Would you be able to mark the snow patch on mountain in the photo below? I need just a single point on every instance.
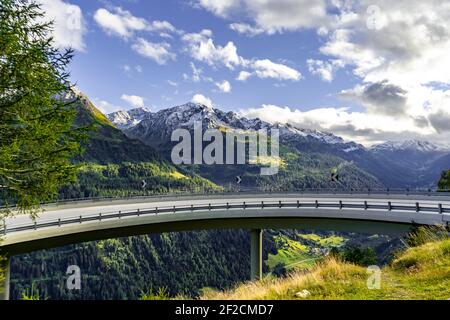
(128, 119)
(410, 145)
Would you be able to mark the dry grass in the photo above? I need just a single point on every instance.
(324, 273)
(421, 272)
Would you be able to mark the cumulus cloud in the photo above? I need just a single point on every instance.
(69, 26)
(159, 52)
(440, 121)
(224, 86)
(268, 69)
(243, 76)
(357, 126)
(270, 16)
(380, 97)
(133, 100)
(123, 23)
(119, 22)
(202, 48)
(201, 99)
(324, 69)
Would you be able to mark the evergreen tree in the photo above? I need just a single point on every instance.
(444, 181)
(37, 135)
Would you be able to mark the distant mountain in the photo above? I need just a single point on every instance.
(399, 164)
(410, 145)
(409, 164)
(156, 128)
(307, 155)
(127, 119)
(106, 143)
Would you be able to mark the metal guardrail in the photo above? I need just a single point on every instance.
(415, 207)
(312, 191)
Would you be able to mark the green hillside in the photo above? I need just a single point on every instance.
(421, 272)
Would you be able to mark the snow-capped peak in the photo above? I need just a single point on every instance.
(184, 116)
(127, 119)
(409, 145)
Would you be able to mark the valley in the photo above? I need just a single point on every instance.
(115, 163)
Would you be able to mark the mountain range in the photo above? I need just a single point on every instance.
(392, 164)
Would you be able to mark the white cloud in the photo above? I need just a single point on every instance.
(159, 52)
(123, 23)
(133, 100)
(356, 126)
(324, 69)
(224, 86)
(219, 7)
(247, 29)
(202, 48)
(399, 51)
(268, 69)
(271, 16)
(120, 22)
(243, 76)
(69, 25)
(201, 99)
(165, 26)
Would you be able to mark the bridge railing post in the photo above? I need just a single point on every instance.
(389, 206)
(440, 208)
(417, 207)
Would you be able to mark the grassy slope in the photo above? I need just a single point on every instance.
(298, 255)
(419, 273)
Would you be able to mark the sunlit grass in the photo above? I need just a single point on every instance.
(421, 272)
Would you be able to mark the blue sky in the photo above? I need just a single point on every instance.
(109, 54)
(366, 70)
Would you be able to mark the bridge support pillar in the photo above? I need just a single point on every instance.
(256, 254)
(4, 288)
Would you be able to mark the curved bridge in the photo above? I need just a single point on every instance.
(77, 222)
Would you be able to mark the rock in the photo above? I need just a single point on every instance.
(303, 294)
